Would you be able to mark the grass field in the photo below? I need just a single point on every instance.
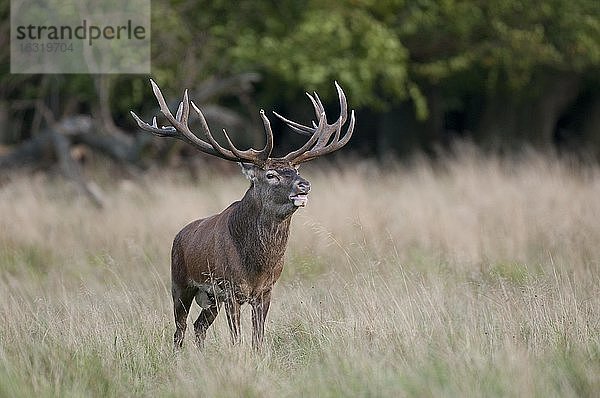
(473, 277)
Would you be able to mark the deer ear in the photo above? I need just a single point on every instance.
(249, 170)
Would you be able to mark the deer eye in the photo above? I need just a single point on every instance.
(272, 175)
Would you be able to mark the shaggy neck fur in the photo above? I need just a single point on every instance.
(260, 231)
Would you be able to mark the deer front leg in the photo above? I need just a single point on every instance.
(260, 307)
(232, 308)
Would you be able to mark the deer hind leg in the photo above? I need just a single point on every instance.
(232, 308)
(182, 300)
(205, 319)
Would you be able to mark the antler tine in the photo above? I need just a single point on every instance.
(236, 152)
(266, 151)
(179, 110)
(224, 153)
(337, 126)
(319, 109)
(338, 143)
(343, 103)
(296, 127)
(165, 131)
(300, 128)
(185, 109)
(259, 157)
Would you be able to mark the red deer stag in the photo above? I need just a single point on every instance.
(236, 256)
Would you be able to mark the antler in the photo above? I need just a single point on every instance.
(320, 142)
(320, 133)
(179, 128)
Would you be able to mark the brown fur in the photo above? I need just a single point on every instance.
(236, 256)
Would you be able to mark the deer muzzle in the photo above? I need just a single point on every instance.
(300, 194)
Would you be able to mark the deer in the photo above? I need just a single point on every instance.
(236, 256)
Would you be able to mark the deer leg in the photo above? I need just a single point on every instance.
(260, 307)
(232, 308)
(182, 300)
(205, 319)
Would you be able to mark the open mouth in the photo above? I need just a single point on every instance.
(299, 199)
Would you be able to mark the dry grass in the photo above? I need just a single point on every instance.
(476, 277)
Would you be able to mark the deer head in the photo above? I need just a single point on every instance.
(278, 188)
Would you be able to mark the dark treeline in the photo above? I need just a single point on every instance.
(503, 73)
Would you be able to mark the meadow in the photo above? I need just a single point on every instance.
(470, 276)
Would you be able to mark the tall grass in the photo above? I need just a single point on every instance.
(471, 277)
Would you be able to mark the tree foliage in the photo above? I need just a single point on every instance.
(479, 59)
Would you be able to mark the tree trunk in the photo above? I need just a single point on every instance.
(590, 130)
(538, 124)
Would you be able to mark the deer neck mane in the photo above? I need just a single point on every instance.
(259, 234)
